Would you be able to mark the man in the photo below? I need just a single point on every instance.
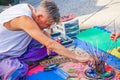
(21, 35)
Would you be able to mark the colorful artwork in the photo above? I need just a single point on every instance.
(115, 52)
(94, 40)
(76, 70)
(100, 70)
(97, 40)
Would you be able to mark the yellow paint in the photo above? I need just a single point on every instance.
(114, 52)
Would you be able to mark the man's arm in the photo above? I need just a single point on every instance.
(27, 24)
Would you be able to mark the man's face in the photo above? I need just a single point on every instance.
(44, 22)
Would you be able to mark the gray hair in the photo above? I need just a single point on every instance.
(52, 9)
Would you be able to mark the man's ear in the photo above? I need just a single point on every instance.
(39, 16)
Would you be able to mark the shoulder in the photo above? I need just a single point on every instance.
(24, 17)
(16, 23)
(22, 20)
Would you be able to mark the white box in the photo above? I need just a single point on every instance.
(68, 28)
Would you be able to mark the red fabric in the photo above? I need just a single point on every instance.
(35, 70)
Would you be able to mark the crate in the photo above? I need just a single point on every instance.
(69, 28)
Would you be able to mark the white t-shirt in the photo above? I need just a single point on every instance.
(13, 43)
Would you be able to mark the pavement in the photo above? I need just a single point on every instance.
(90, 12)
(108, 15)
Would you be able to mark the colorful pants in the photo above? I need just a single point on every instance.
(15, 68)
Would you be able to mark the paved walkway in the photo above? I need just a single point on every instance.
(89, 12)
(108, 15)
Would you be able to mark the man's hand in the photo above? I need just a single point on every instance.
(114, 36)
(49, 51)
(48, 35)
(86, 58)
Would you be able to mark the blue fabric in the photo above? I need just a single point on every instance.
(55, 74)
